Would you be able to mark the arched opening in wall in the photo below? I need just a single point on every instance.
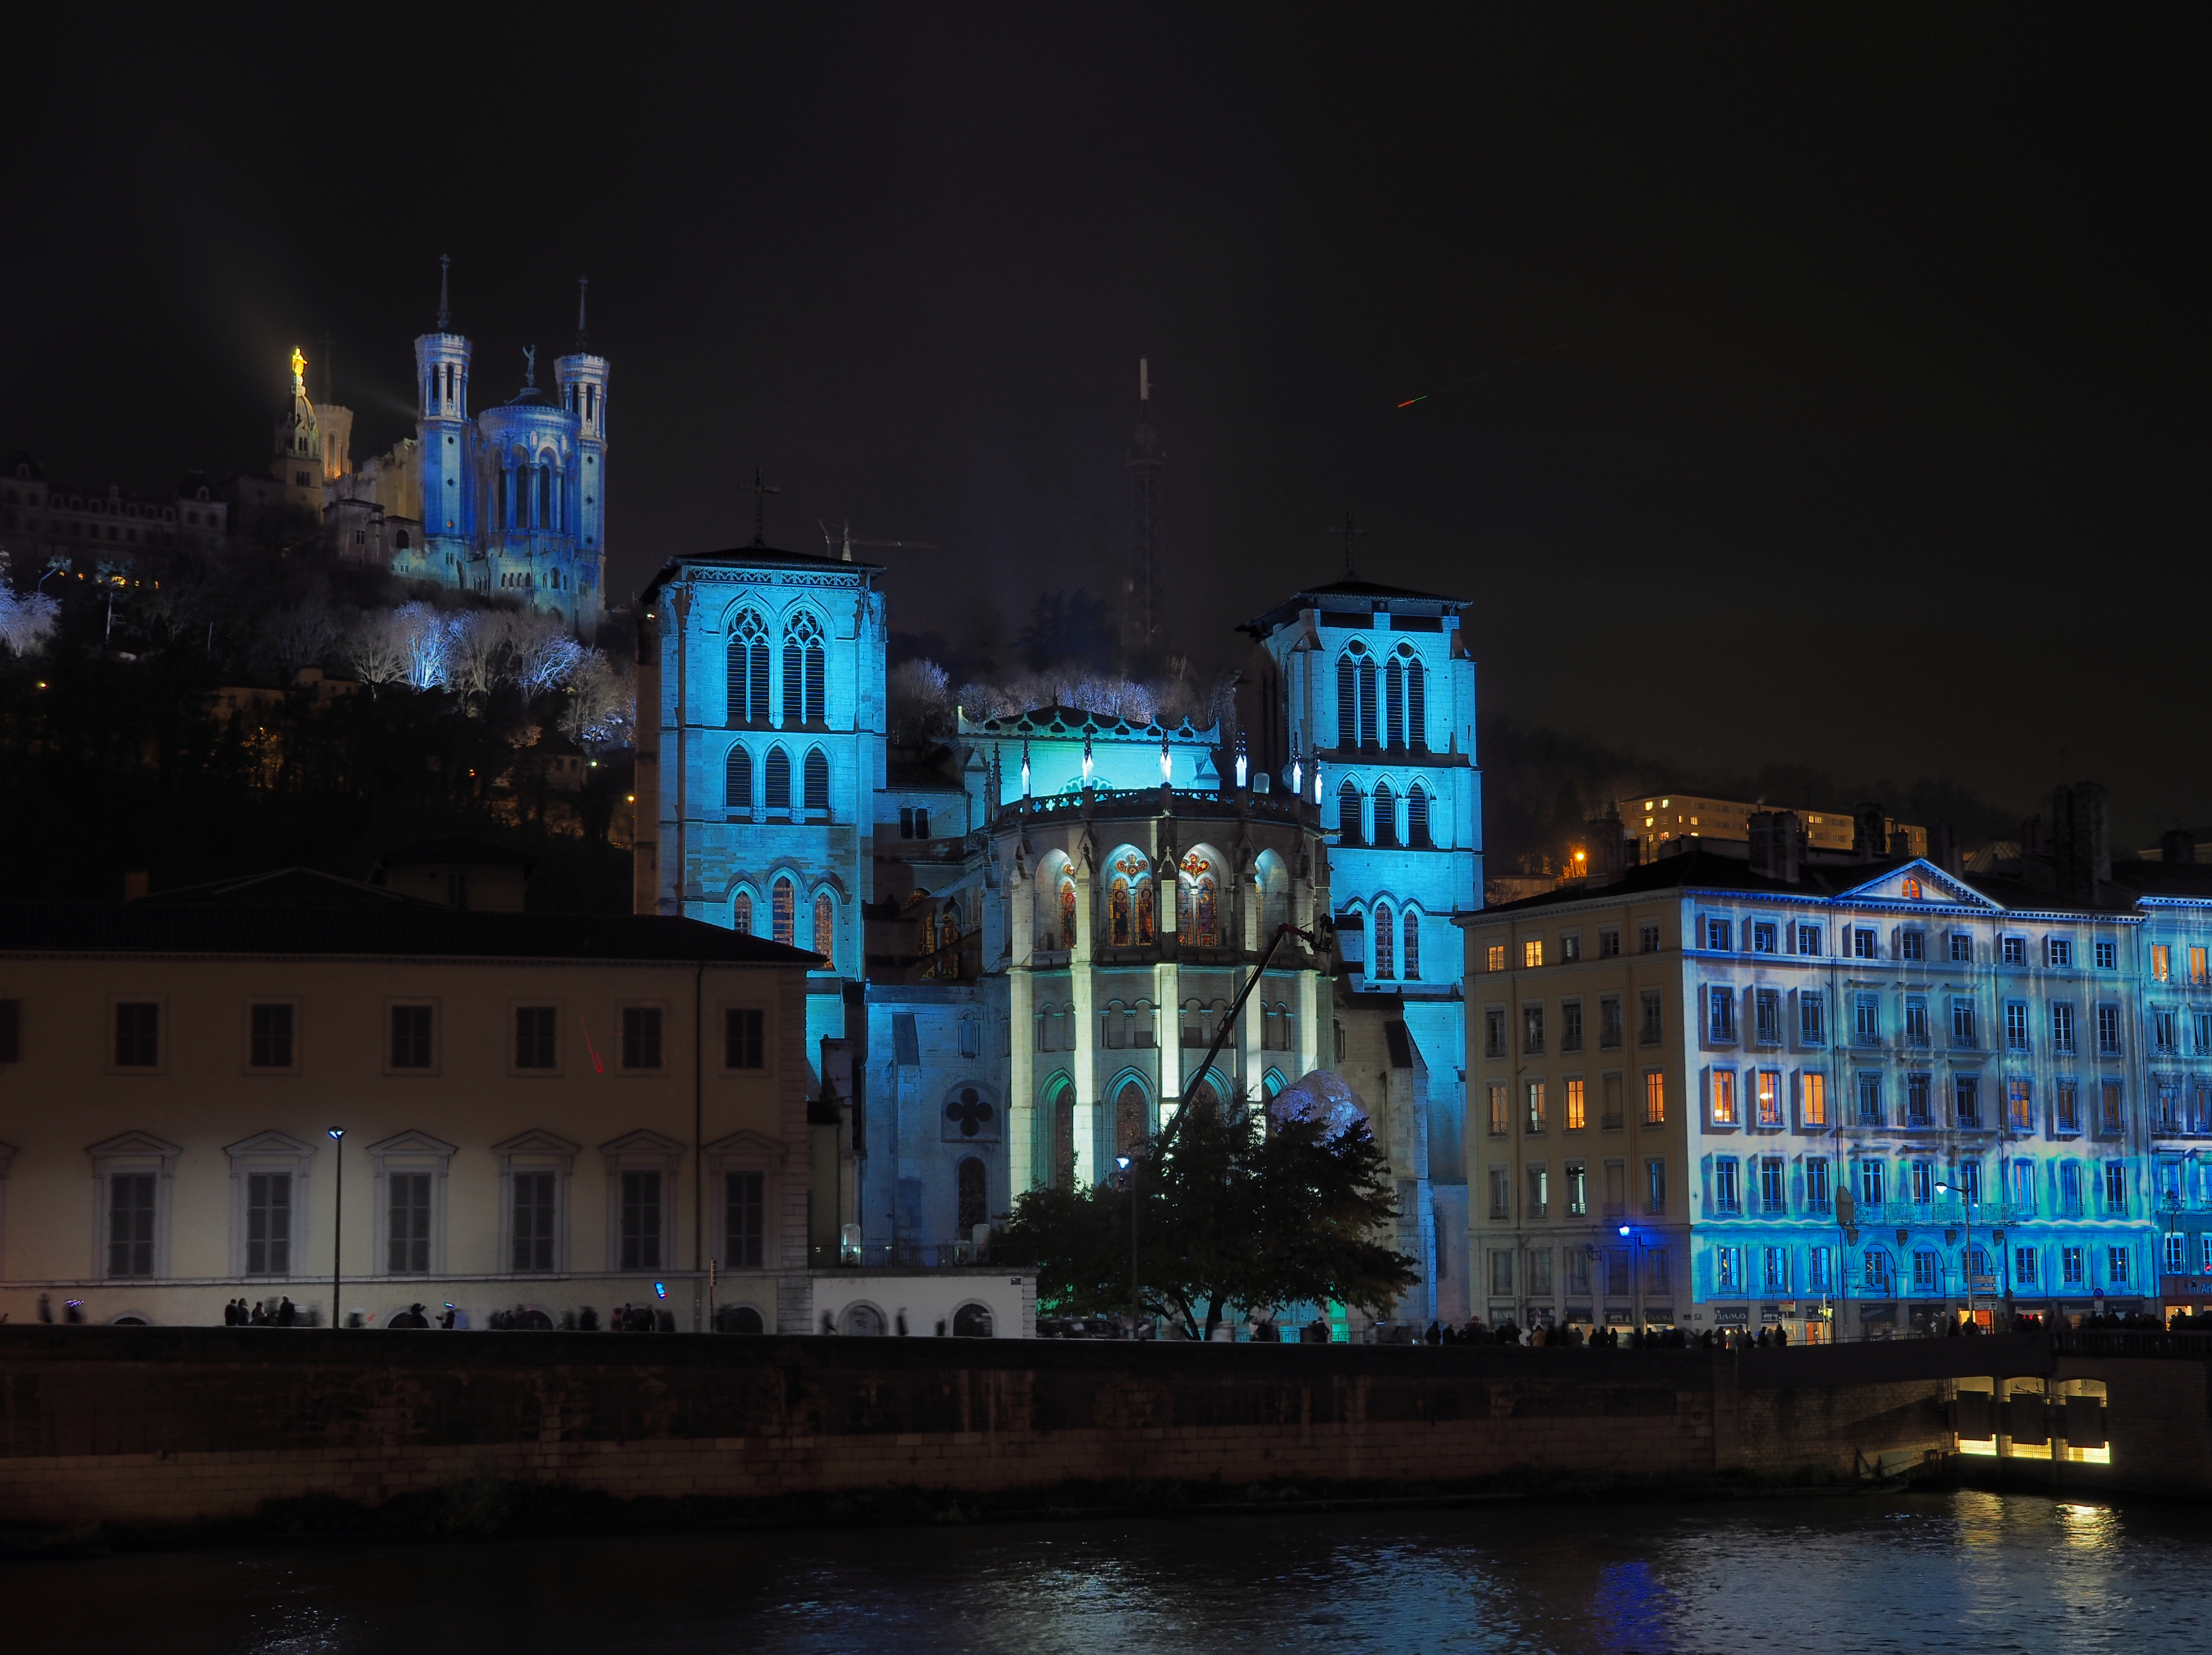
(1272, 1084)
(861, 1322)
(739, 1319)
(783, 918)
(1417, 703)
(1381, 938)
(778, 783)
(972, 1321)
(971, 1197)
(1417, 818)
(1386, 815)
(1198, 897)
(825, 929)
(1273, 880)
(741, 913)
(1370, 730)
(748, 669)
(1347, 814)
(818, 784)
(1394, 701)
(1067, 901)
(1410, 958)
(737, 785)
(1052, 1142)
(1132, 1117)
(803, 664)
(1347, 701)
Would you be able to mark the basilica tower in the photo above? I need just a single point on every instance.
(582, 377)
(298, 462)
(441, 379)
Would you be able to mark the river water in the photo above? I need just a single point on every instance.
(1959, 1573)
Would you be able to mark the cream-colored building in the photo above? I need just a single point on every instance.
(1651, 819)
(539, 1111)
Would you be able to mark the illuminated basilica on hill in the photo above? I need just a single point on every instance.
(1033, 932)
(510, 500)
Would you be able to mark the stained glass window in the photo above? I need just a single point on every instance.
(782, 902)
(825, 928)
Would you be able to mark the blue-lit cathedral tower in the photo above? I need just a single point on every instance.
(509, 501)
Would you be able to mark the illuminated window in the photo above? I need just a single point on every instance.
(741, 914)
(1532, 952)
(1813, 1093)
(1536, 1092)
(2196, 966)
(1532, 1028)
(1577, 1119)
(1769, 1098)
(1723, 1088)
(2020, 1105)
(2161, 962)
(1497, 956)
(1500, 1124)
(783, 901)
(1655, 1097)
(2066, 1105)
(825, 929)
(1381, 943)
(1413, 950)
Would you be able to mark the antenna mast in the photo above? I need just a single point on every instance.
(1143, 601)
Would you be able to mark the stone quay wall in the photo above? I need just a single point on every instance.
(174, 1425)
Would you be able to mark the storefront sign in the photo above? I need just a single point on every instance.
(1731, 1315)
(2174, 1288)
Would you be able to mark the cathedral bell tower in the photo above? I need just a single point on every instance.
(582, 378)
(441, 379)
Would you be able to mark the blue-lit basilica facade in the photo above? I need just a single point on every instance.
(1032, 933)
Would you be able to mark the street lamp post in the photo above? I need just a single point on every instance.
(1966, 1206)
(1128, 1164)
(338, 1219)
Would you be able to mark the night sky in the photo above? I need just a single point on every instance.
(1828, 399)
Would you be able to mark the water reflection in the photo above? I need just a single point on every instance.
(1969, 1572)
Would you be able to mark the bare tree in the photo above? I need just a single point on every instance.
(27, 622)
(376, 644)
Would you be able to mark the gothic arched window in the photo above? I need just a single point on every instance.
(1119, 919)
(783, 902)
(1066, 911)
(1417, 817)
(1393, 697)
(741, 914)
(1199, 908)
(737, 785)
(1132, 1118)
(817, 783)
(1412, 955)
(803, 669)
(1382, 935)
(1347, 702)
(1371, 732)
(778, 782)
(1386, 814)
(1417, 706)
(1348, 812)
(1129, 901)
(748, 669)
(825, 928)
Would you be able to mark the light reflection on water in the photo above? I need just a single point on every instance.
(1965, 1572)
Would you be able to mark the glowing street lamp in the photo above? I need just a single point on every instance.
(1966, 1206)
(1128, 1164)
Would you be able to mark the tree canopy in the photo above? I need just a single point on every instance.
(1238, 1209)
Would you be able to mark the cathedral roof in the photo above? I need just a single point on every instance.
(746, 558)
(1352, 592)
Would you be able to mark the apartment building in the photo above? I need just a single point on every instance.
(1755, 1089)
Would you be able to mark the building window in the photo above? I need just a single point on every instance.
(2057, 951)
(1570, 947)
(1655, 1097)
(2020, 1105)
(1347, 814)
(1912, 945)
(1539, 1192)
(11, 1031)
(1497, 956)
(1967, 1102)
(1766, 1016)
(1536, 1090)
(803, 669)
(131, 1224)
(1915, 1022)
(1812, 1019)
(744, 1220)
(1532, 1028)
(407, 1223)
(825, 929)
(2070, 1266)
(778, 790)
(737, 785)
(1963, 1033)
(2013, 951)
(1501, 1272)
(1727, 1272)
(1578, 1117)
(783, 912)
(1609, 1020)
(1866, 1021)
(1608, 942)
(1962, 948)
(641, 1221)
(1808, 940)
(748, 670)
(1655, 1188)
(2062, 1027)
(2115, 1268)
(1869, 1099)
(641, 1036)
(1919, 1110)
(1650, 1033)
(2115, 1189)
(1723, 1097)
(2161, 962)
(1767, 1098)
(2023, 1266)
(1863, 944)
(2067, 1106)
(2197, 965)
(818, 784)
(1532, 953)
(1816, 1186)
(137, 1034)
(2108, 955)
(2108, 1030)
(744, 1038)
(1386, 815)
(1578, 1191)
(1501, 1192)
(531, 1251)
(1412, 927)
(1718, 935)
(2162, 1029)
(268, 1222)
(2015, 1024)
(534, 1028)
(270, 1037)
(1380, 941)
(1813, 1090)
(1727, 1197)
(1500, 1122)
(1417, 818)
(1570, 1025)
(1647, 941)
(1720, 1015)
(1493, 1032)
(1763, 938)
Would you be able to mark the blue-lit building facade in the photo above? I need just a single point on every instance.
(1737, 1091)
(1032, 932)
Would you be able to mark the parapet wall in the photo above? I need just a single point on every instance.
(173, 1425)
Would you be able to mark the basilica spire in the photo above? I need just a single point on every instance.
(445, 317)
(582, 283)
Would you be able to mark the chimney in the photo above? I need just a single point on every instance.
(134, 885)
(1945, 850)
(1871, 833)
(2176, 845)
(2081, 840)
(1778, 845)
(2033, 841)
(1900, 842)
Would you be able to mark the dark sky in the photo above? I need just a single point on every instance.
(1867, 431)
